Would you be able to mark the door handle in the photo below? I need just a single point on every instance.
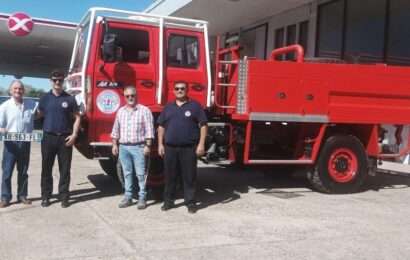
(147, 83)
(197, 86)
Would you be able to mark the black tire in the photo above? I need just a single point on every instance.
(112, 167)
(342, 166)
(109, 167)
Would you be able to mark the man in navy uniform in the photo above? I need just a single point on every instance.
(61, 125)
(181, 138)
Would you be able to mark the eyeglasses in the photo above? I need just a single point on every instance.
(129, 96)
(57, 80)
(180, 89)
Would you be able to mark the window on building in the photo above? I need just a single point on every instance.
(290, 39)
(183, 51)
(398, 44)
(330, 29)
(303, 34)
(253, 41)
(134, 44)
(365, 22)
(279, 38)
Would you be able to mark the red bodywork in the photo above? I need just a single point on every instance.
(273, 112)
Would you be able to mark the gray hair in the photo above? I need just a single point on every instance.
(130, 87)
(16, 81)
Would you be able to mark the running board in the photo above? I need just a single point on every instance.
(280, 162)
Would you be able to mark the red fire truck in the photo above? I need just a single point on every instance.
(324, 116)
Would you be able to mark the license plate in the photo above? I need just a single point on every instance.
(21, 137)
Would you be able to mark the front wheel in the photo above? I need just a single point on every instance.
(342, 166)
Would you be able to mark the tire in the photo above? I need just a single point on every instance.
(112, 167)
(109, 167)
(342, 166)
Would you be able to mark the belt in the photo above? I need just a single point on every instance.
(180, 145)
(130, 144)
(57, 134)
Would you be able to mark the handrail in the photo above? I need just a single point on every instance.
(298, 49)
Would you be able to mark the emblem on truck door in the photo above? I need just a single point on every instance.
(108, 101)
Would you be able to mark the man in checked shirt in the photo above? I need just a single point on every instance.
(132, 136)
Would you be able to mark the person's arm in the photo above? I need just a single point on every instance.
(149, 131)
(115, 135)
(200, 150)
(70, 140)
(161, 148)
(397, 134)
(203, 131)
(3, 119)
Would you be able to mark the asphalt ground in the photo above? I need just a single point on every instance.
(244, 214)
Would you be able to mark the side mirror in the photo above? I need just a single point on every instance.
(110, 47)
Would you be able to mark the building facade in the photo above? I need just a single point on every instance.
(365, 31)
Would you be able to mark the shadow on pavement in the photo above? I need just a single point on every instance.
(104, 186)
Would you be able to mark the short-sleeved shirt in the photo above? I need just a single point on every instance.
(58, 112)
(18, 118)
(182, 123)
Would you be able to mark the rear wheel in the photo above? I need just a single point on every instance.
(342, 166)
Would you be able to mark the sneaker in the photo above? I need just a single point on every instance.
(192, 208)
(125, 203)
(4, 204)
(141, 204)
(25, 201)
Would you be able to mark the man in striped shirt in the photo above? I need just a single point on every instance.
(132, 136)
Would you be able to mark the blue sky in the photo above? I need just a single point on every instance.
(70, 11)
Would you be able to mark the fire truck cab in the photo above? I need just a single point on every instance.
(323, 115)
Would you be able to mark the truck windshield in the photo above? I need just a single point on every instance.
(81, 45)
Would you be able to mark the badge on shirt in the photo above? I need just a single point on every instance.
(187, 113)
(64, 104)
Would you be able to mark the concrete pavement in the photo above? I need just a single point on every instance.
(245, 214)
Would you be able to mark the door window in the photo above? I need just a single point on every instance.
(183, 51)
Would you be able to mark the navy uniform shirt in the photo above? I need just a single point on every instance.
(182, 123)
(58, 112)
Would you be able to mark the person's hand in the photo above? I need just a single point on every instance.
(114, 149)
(161, 150)
(147, 150)
(200, 150)
(70, 140)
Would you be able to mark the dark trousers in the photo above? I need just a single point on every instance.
(181, 160)
(52, 146)
(15, 153)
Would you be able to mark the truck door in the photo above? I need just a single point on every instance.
(136, 65)
(185, 61)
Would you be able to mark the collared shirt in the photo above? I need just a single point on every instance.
(133, 126)
(18, 118)
(182, 123)
(58, 112)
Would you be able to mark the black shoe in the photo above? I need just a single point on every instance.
(24, 200)
(167, 206)
(65, 204)
(45, 203)
(192, 209)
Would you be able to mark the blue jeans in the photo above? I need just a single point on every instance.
(133, 160)
(15, 152)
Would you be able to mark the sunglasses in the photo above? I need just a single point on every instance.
(180, 89)
(57, 80)
(129, 96)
